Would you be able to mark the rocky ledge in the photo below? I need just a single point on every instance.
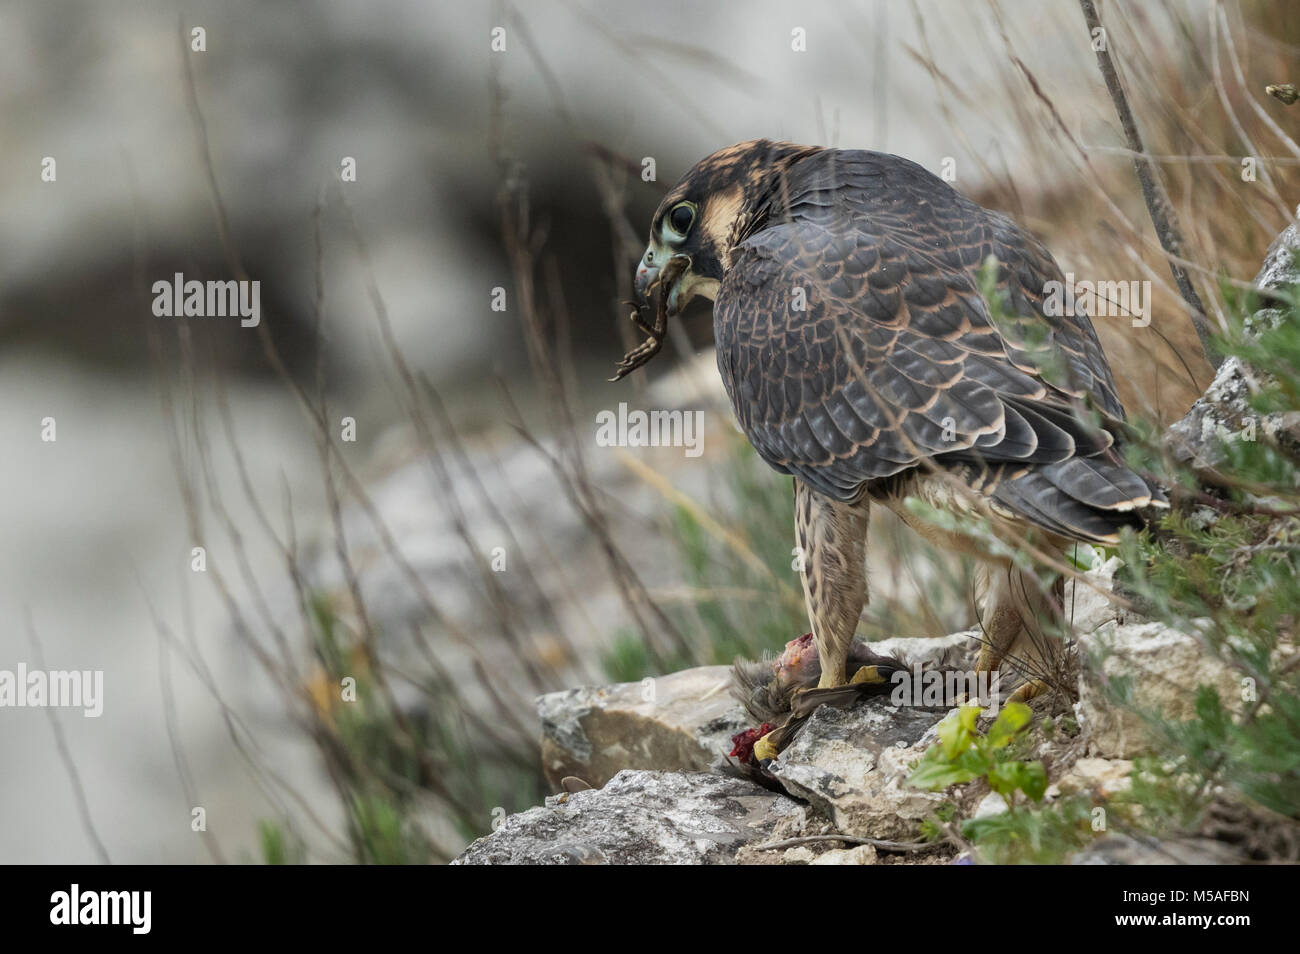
(644, 774)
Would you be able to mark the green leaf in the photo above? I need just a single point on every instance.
(1029, 777)
(980, 829)
(1011, 720)
(952, 739)
(1033, 780)
(1004, 778)
(933, 772)
(957, 731)
(968, 715)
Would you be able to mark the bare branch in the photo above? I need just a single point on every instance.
(1153, 190)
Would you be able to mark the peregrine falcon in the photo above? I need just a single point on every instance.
(870, 352)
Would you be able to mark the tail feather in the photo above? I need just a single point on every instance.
(1085, 498)
(1099, 483)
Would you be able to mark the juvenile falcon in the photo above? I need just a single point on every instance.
(862, 357)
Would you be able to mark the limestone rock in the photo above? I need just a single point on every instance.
(1279, 268)
(1158, 668)
(955, 649)
(1087, 604)
(851, 765)
(990, 805)
(680, 722)
(1106, 777)
(639, 818)
(858, 855)
(1223, 411)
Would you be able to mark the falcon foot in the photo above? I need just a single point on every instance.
(654, 331)
(1030, 690)
(781, 694)
(867, 676)
(644, 352)
(990, 662)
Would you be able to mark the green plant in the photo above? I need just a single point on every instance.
(279, 845)
(1022, 834)
(1223, 567)
(963, 754)
(1046, 835)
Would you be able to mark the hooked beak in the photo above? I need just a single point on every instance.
(647, 274)
(659, 269)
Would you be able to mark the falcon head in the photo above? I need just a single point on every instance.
(703, 215)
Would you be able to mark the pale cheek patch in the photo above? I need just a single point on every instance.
(719, 215)
(694, 285)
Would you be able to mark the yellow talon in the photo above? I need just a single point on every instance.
(867, 674)
(1030, 690)
(764, 748)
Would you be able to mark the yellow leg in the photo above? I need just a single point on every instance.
(1016, 604)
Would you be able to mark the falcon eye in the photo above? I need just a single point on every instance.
(681, 218)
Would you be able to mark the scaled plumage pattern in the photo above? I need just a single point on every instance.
(862, 358)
